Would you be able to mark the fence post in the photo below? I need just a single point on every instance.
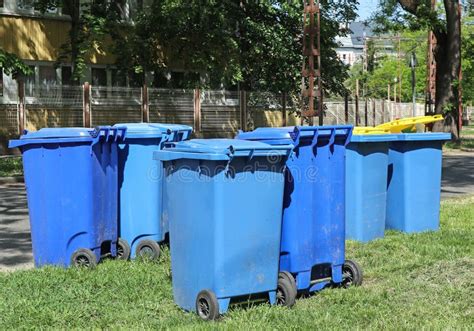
(366, 110)
(86, 105)
(145, 104)
(320, 109)
(197, 112)
(243, 110)
(346, 108)
(21, 106)
(383, 112)
(374, 114)
(283, 106)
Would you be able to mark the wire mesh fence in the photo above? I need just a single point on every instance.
(215, 113)
(171, 106)
(53, 106)
(111, 105)
(220, 113)
(9, 118)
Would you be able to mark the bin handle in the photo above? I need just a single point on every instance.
(97, 133)
(120, 132)
(163, 155)
(317, 129)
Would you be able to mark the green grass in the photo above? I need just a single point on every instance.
(11, 166)
(411, 281)
(467, 139)
(464, 143)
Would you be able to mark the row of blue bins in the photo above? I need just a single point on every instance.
(265, 214)
(393, 181)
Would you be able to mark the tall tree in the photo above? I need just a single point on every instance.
(256, 44)
(445, 23)
(89, 25)
(468, 59)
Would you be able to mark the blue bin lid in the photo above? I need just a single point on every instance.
(286, 135)
(143, 130)
(285, 132)
(52, 133)
(373, 138)
(153, 130)
(64, 135)
(219, 149)
(423, 136)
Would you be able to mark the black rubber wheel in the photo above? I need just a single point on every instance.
(287, 275)
(351, 274)
(83, 258)
(207, 306)
(123, 249)
(148, 249)
(286, 293)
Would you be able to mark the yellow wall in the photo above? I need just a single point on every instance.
(38, 39)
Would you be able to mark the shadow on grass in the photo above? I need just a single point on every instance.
(463, 143)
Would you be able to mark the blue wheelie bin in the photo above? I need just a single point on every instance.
(366, 185)
(313, 237)
(414, 181)
(224, 198)
(71, 183)
(141, 225)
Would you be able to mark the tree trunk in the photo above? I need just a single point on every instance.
(75, 12)
(448, 63)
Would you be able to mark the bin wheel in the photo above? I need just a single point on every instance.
(123, 249)
(148, 249)
(351, 274)
(207, 306)
(287, 275)
(286, 293)
(84, 258)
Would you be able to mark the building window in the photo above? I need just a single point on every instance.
(47, 80)
(47, 75)
(66, 76)
(161, 79)
(119, 78)
(99, 77)
(1, 3)
(26, 4)
(29, 81)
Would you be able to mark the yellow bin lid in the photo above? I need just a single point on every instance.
(359, 130)
(409, 124)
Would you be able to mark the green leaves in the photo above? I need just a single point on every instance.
(256, 44)
(12, 64)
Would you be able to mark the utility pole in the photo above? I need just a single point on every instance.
(357, 103)
(389, 102)
(399, 69)
(311, 86)
(413, 64)
(394, 110)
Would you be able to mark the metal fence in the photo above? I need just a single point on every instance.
(113, 105)
(171, 106)
(212, 113)
(53, 106)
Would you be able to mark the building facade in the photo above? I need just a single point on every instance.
(352, 48)
(37, 38)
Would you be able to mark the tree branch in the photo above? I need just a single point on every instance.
(410, 6)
